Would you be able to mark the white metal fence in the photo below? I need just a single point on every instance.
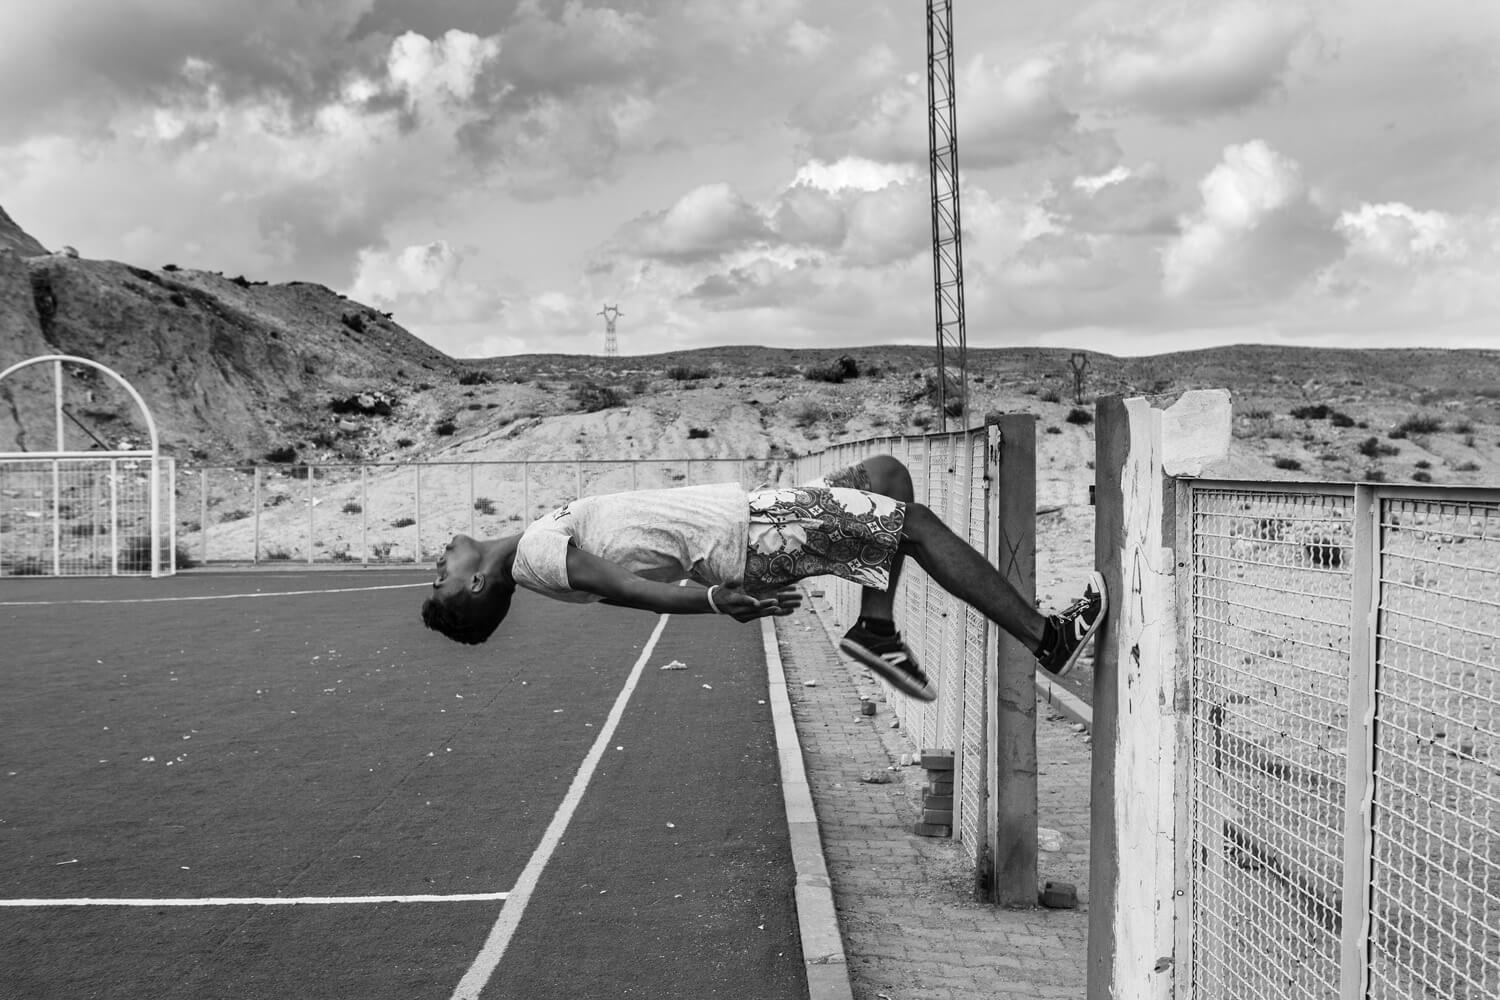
(82, 517)
(404, 512)
(1344, 748)
(71, 502)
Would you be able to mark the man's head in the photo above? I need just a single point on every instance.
(472, 591)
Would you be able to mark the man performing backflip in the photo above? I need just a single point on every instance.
(748, 548)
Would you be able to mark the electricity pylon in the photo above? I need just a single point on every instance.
(610, 314)
(947, 246)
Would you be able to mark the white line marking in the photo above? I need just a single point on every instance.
(213, 597)
(468, 897)
(489, 956)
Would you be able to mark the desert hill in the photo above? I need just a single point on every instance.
(13, 237)
(238, 371)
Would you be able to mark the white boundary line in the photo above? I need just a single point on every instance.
(213, 597)
(489, 956)
(469, 897)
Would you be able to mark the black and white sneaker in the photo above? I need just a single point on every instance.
(1070, 629)
(888, 656)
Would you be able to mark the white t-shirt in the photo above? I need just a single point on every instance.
(692, 532)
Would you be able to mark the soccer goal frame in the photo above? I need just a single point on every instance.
(101, 511)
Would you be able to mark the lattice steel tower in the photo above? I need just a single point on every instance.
(947, 248)
(610, 314)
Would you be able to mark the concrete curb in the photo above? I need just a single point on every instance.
(1063, 701)
(822, 944)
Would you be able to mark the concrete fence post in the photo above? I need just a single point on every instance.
(1138, 726)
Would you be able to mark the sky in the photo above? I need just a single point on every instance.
(1136, 176)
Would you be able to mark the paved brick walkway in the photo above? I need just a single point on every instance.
(911, 929)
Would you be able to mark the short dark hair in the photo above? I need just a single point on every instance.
(465, 617)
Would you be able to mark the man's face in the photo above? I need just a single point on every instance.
(456, 566)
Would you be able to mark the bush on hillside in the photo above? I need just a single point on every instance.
(592, 398)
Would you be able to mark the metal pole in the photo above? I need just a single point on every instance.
(171, 517)
(203, 517)
(472, 501)
(57, 516)
(114, 517)
(311, 479)
(255, 551)
(364, 512)
(525, 493)
(1359, 752)
(57, 385)
(417, 557)
(153, 507)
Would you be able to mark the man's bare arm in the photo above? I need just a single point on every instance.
(618, 585)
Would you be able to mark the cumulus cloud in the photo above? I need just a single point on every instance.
(1123, 200)
(427, 71)
(808, 41)
(1006, 113)
(806, 215)
(558, 51)
(707, 222)
(79, 64)
(1193, 59)
(1258, 232)
(425, 284)
(1404, 265)
(854, 172)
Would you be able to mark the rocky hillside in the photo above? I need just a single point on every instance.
(238, 371)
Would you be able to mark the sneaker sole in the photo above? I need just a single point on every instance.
(1097, 579)
(902, 682)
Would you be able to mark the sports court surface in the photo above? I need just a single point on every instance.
(281, 785)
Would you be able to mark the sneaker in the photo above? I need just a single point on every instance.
(888, 656)
(1070, 629)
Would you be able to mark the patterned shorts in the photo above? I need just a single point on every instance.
(835, 526)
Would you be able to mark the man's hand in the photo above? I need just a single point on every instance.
(744, 607)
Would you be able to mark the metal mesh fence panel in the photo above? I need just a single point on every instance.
(340, 526)
(84, 489)
(974, 647)
(215, 514)
(940, 612)
(1269, 693)
(1337, 852)
(1435, 901)
(447, 506)
(82, 517)
(280, 515)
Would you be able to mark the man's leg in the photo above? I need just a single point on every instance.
(890, 478)
(963, 571)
